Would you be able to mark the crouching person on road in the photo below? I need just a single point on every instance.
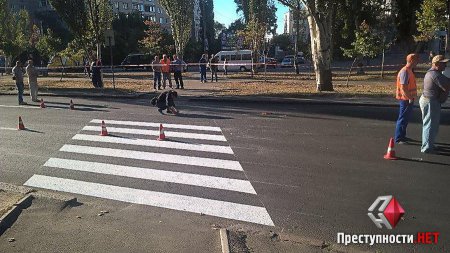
(166, 100)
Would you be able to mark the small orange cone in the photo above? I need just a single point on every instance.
(42, 103)
(21, 125)
(390, 154)
(104, 132)
(71, 105)
(162, 136)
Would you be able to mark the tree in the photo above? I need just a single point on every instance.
(156, 40)
(87, 19)
(218, 28)
(246, 7)
(129, 29)
(430, 19)
(15, 32)
(49, 44)
(181, 15)
(320, 18)
(283, 41)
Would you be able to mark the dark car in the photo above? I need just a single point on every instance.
(137, 61)
(288, 61)
(270, 62)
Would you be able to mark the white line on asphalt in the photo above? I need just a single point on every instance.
(20, 106)
(8, 128)
(152, 174)
(155, 143)
(157, 157)
(168, 134)
(152, 124)
(229, 210)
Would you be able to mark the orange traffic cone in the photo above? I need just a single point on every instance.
(390, 154)
(21, 125)
(71, 105)
(42, 103)
(104, 132)
(162, 136)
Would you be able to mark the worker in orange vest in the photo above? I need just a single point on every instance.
(406, 93)
(165, 68)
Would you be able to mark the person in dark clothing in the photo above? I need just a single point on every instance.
(178, 66)
(213, 65)
(203, 63)
(166, 100)
(96, 69)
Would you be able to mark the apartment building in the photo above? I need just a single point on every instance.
(149, 9)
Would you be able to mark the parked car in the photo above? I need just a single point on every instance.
(135, 61)
(288, 61)
(270, 62)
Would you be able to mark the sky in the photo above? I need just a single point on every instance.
(225, 13)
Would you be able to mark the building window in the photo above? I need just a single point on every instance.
(135, 6)
(161, 20)
(153, 18)
(147, 8)
(152, 8)
(167, 21)
(43, 3)
(141, 7)
(159, 10)
(125, 6)
(116, 5)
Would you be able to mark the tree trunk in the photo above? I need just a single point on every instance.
(321, 52)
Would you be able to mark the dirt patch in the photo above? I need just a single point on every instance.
(7, 200)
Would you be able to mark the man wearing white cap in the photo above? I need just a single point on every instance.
(435, 91)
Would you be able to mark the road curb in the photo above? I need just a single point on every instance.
(8, 219)
(84, 95)
(12, 214)
(224, 240)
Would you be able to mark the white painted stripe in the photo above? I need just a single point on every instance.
(152, 174)
(155, 143)
(152, 124)
(21, 106)
(157, 157)
(229, 210)
(8, 128)
(168, 134)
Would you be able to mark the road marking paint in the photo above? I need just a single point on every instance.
(158, 157)
(168, 134)
(151, 124)
(20, 106)
(152, 174)
(155, 143)
(8, 128)
(229, 210)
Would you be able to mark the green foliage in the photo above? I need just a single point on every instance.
(366, 44)
(265, 9)
(431, 18)
(48, 45)
(15, 32)
(181, 14)
(128, 31)
(283, 41)
(156, 41)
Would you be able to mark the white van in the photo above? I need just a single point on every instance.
(239, 60)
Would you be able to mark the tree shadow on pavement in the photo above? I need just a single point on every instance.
(201, 116)
(422, 161)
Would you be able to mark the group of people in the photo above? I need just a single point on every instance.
(162, 70)
(436, 87)
(213, 64)
(18, 75)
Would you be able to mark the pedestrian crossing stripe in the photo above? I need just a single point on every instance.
(89, 144)
(156, 125)
(169, 134)
(153, 174)
(155, 143)
(235, 211)
(156, 157)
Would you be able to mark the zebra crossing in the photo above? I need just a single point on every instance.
(194, 170)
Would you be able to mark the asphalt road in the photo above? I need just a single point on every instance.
(314, 170)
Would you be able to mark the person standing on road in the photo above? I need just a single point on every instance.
(213, 65)
(436, 88)
(32, 74)
(203, 64)
(165, 68)
(18, 77)
(178, 66)
(156, 66)
(406, 93)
